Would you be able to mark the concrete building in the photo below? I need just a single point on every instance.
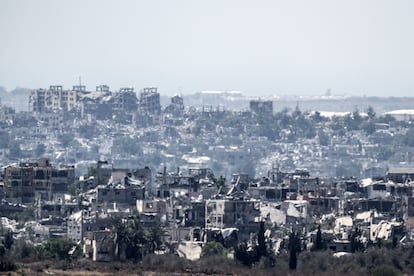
(223, 213)
(37, 101)
(98, 245)
(55, 98)
(6, 113)
(261, 107)
(76, 226)
(150, 101)
(401, 175)
(102, 88)
(125, 101)
(22, 182)
(52, 119)
(79, 88)
(176, 107)
(96, 104)
(120, 194)
(152, 208)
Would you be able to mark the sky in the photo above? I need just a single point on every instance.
(291, 47)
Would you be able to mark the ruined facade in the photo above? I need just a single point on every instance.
(150, 101)
(54, 98)
(22, 182)
(261, 107)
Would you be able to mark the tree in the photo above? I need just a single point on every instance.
(319, 242)
(243, 255)
(384, 152)
(119, 237)
(8, 240)
(368, 127)
(386, 119)
(284, 118)
(131, 240)
(220, 183)
(92, 171)
(4, 140)
(127, 145)
(23, 249)
(2, 251)
(316, 117)
(155, 236)
(14, 150)
(66, 139)
(408, 139)
(386, 270)
(40, 150)
(356, 243)
(59, 249)
(212, 248)
(357, 118)
(137, 239)
(293, 261)
(261, 241)
(371, 113)
(323, 138)
(294, 249)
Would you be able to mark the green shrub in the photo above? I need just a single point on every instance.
(212, 248)
(385, 270)
(7, 265)
(164, 263)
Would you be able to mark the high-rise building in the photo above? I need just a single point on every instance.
(150, 101)
(125, 100)
(22, 182)
(55, 98)
(37, 102)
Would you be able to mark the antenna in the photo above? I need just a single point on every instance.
(80, 81)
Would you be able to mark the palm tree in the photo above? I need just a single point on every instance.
(119, 237)
(131, 240)
(137, 239)
(155, 236)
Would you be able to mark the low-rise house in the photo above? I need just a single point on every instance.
(169, 183)
(401, 175)
(152, 208)
(296, 210)
(381, 229)
(224, 213)
(322, 205)
(120, 194)
(378, 190)
(75, 226)
(340, 245)
(387, 205)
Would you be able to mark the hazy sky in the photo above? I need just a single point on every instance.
(354, 47)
